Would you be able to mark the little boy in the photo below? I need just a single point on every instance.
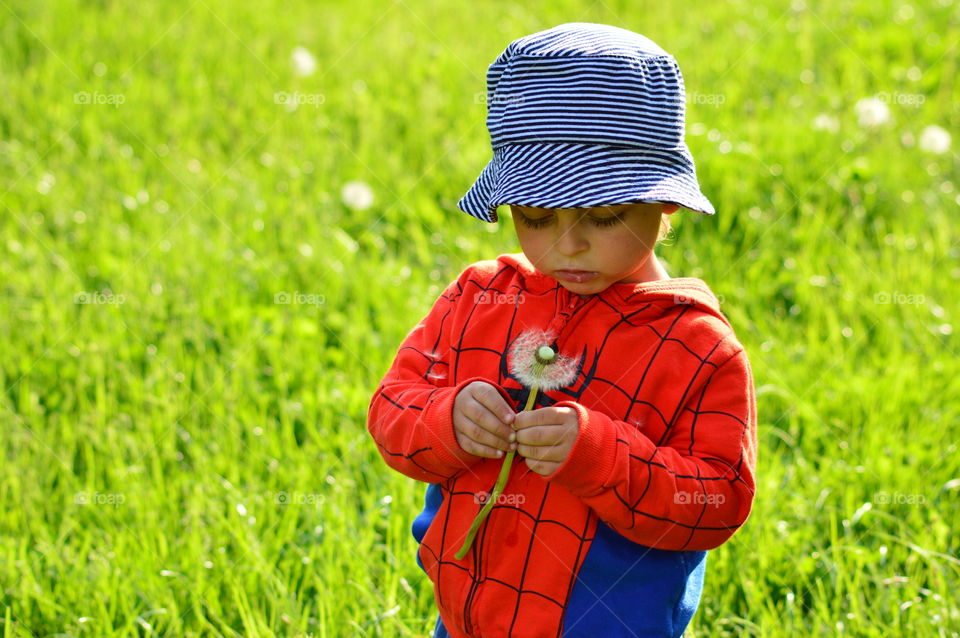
(627, 475)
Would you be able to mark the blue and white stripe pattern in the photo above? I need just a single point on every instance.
(585, 115)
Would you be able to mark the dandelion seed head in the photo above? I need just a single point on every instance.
(872, 112)
(357, 195)
(935, 139)
(529, 372)
(303, 62)
(825, 122)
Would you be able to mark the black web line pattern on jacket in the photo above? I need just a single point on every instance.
(583, 379)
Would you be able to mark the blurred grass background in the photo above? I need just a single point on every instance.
(213, 242)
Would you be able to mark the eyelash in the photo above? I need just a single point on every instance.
(540, 223)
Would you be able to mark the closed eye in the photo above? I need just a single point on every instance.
(540, 222)
(534, 223)
(606, 221)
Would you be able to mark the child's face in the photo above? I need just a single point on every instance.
(612, 243)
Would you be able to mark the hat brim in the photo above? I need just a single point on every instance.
(574, 175)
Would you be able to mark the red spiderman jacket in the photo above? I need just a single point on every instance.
(614, 542)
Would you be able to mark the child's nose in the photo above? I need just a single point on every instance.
(571, 241)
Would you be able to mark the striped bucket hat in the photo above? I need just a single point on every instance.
(585, 115)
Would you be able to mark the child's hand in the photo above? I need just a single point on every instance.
(481, 421)
(546, 437)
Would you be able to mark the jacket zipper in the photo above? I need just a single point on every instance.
(568, 303)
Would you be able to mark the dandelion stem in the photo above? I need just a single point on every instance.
(504, 472)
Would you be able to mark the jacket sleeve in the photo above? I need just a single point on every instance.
(693, 492)
(411, 412)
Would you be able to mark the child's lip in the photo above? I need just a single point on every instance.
(575, 276)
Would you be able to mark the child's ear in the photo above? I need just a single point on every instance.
(670, 209)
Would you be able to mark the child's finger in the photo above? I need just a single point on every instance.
(541, 452)
(480, 449)
(482, 436)
(543, 468)
(485, 451)
(537, 436)
(490, 398)
(534, 418)
(481, 416)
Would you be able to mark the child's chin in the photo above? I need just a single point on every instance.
(586, 288)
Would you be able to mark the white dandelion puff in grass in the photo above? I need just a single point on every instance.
(935, 139)
(303, 62)
(872, 112)
(825, 122)
(357, 195)
(533, 366)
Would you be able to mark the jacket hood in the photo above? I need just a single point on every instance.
(667, 293)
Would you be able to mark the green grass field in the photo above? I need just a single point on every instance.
(194, 319)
